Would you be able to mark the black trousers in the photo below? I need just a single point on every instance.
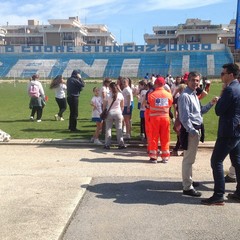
(39, 111)
(62, 104)
(142, 126)
(73, 106)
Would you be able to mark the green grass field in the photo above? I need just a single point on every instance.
(15, 113)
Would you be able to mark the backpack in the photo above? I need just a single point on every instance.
(34, 91)
(4, 137)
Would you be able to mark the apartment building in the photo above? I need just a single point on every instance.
(193, 31)
(71, 32)
(61, 32)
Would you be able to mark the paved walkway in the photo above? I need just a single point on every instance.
(83, 142)
(57, 189)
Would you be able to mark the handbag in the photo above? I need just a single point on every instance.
(104, 113)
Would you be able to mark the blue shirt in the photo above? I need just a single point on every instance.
(190, 110)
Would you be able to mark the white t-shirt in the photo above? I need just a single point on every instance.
(174, 88)
(97, 110)
(105, 90)
(153, 79)
(60, 91)
(167, 88)
(127, 91)
(116, 107)
(142, 98)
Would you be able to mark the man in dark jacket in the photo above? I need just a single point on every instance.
(228, 137)
(75, 85)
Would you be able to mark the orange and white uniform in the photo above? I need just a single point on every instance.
(159, 101)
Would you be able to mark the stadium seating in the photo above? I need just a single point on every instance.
(99, 65)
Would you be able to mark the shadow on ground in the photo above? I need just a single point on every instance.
(145, 192)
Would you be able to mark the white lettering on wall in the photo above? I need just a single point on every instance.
(31, 66)
(96, 69)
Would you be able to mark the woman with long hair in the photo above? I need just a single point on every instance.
(128, 106)
(60, 96)
(115, 104)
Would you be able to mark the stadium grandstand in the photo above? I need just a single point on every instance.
(66, 44)
(135, 61)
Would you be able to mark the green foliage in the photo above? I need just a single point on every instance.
(15, 113)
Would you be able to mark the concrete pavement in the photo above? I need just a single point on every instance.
(58, 189)
(83, 142)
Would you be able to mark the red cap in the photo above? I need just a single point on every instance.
(185, 77)
(160, 81)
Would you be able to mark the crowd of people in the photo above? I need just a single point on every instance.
(72, 89)
(162, 101)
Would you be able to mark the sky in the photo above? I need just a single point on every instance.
(127, 20)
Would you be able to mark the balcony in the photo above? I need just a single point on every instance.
(197, 31)
(3, 32)
(17, 35)
(193, 41)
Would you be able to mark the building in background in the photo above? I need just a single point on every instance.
(48, 49)
(59, 32)
(71, 32)
(3, 33)
(98, 34)
(194, 31)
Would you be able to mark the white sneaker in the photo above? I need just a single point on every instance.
(56, 117)
(142, 137)
(61, 119)
(39, 120)
(97, 142)
(164, 161)
(92, 140)
(31, 118)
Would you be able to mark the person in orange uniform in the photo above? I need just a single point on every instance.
(160, 102)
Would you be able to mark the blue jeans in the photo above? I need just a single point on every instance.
(222, 148)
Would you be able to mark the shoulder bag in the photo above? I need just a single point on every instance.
(104, 113)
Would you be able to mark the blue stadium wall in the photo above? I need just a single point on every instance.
(109, 61)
